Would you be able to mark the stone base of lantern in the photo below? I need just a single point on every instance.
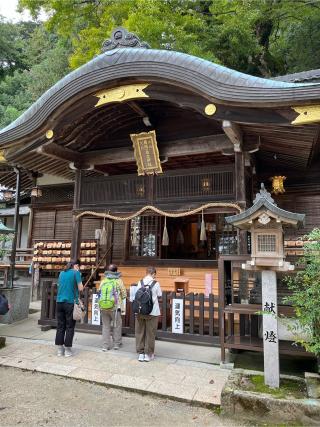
(19, 301)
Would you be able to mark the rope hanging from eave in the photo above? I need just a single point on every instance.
(160, 211)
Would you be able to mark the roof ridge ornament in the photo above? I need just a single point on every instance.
(264, 194)
(120, 37)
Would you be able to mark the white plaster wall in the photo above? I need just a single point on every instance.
(24, 235)
(52, 179)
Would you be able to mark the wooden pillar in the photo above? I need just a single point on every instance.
(15, 227)
(151, 188)
(30, 226)
(239, 165)
(240, 182)
(75, 242)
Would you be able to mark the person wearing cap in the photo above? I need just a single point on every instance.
(69, 286)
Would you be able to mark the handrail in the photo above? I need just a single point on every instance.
(99, 264)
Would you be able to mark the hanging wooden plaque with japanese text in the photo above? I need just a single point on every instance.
(146, 153)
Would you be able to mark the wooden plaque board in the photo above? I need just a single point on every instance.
(146, 153)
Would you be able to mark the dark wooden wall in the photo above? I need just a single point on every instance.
(119, 243)
(302, 201)
(88, 227)
(52, 223)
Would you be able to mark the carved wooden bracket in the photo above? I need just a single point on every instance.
(234, 133)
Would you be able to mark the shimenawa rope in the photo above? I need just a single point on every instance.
(160, 211)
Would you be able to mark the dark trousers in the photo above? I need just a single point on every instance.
(65, 324)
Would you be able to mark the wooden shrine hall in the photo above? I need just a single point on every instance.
(153, 149)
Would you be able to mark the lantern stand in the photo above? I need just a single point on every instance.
(265, 222)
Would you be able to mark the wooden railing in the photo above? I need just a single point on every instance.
(200, 316)
(240, 306)
(194, 184)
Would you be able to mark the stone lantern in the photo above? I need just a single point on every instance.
(265, 220)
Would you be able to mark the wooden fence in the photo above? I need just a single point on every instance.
(200, 315)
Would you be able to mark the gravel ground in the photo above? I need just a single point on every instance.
(36, 399)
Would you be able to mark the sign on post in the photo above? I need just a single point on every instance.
(95, 312)
(207, 284)
(270, 328)
(177, 316)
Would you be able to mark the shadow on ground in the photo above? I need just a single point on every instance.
(289, 365)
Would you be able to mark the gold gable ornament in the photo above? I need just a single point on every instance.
(121, 93)
(306, 114)
(146, 153)
(277, 184)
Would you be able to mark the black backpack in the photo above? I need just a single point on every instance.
(143, 302)
(4, 305)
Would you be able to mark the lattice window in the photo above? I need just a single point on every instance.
(55, 194)
(266, 243)
(144, 237)
(227, 237)
(113, 189)
(211, 184)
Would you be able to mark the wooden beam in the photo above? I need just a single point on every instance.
(135, 107)
(181, 147)
(56, 151)
(191, 146)
(234, 133)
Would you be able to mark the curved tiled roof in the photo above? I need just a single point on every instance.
(302, 77)
(214, 81)
(264, 200)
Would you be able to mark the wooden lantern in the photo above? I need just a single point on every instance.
(36, 192)
(278, 184)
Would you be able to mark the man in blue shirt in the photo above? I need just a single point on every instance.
(69, 286)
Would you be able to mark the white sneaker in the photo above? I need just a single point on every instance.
(68, 352)
(146, 358)
(60, 351)
(141, 357)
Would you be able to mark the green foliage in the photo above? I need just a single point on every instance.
(5, 244)
(259, 37)
(305, 298)
(12, 44)
(45, 62)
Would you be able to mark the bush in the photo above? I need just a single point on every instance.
(305, 298)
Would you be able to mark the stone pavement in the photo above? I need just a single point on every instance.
(180, 371)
